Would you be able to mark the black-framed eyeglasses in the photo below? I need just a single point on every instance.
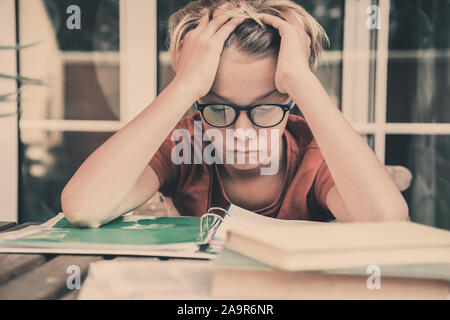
(262, 115)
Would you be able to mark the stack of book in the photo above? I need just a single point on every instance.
(380, 260)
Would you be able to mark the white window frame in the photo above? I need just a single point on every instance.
(138, 65)
(138, 76)
(356, 78)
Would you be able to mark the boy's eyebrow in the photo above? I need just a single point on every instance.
(257, 99)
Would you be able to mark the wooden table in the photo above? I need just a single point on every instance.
(39, 276)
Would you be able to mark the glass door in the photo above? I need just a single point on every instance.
(395, 91)
(417, 104)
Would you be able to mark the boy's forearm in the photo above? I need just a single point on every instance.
(101, 183)
(363, 182)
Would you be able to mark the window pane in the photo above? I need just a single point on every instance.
(428, 159)
(419, 61)
(370, 140)
(329, 13)
(77, 59)
(164, 10)
(50, 160)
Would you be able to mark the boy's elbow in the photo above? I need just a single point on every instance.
(396, 212)
(404, 211)
(77, 218)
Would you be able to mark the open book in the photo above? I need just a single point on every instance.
(237, 217)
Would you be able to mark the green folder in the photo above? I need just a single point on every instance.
(129, 234)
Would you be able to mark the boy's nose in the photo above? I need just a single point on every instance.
(243, 122)
(245, 131)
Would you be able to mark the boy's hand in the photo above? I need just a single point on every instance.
(199, 56)
(293, 57)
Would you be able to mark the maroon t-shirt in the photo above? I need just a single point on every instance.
(196, 187)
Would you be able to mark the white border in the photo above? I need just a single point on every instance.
(9, 161)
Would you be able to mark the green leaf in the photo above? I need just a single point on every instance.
(4, 115)
(6, 97)
(19, 46)
(24, 80)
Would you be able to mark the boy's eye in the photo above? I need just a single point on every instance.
(218, 108)
(266, 108)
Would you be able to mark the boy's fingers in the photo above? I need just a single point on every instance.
(289, 17)
(223, 6)
(203, 21)
(275, 22)
(227, 28)
(220, 16)
(215, 24)
(284, 26)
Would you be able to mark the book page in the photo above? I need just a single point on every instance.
(239, 217)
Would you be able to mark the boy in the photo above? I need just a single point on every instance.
(243, 64)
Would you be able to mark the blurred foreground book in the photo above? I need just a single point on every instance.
(341, 245)
(379, 260)
(236, 276)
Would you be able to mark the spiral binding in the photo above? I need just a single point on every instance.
(210, 230)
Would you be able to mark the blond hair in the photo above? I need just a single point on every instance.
(252, 36)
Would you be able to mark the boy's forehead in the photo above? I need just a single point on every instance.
(239, 74)
(270, 93)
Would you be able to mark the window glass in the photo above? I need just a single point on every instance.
(75, 55)
(329, 13)
(419, 61)
(428, 159)
(50, 160)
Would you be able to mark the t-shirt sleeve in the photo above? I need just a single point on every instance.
(317, 196)
(322, 184)
(168, 172)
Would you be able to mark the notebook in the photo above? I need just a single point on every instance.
(126, 235)
(341, 245)
(236, 276)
